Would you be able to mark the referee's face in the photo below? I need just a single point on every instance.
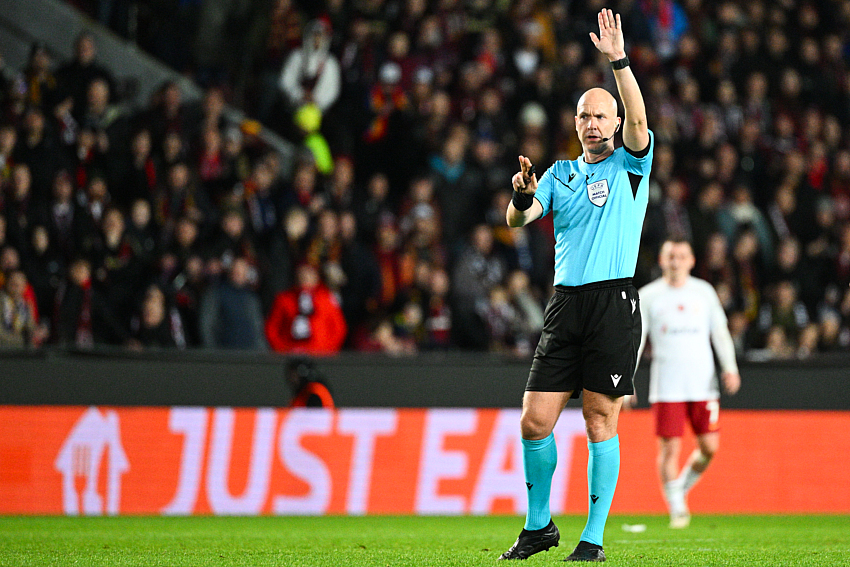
(596, 119)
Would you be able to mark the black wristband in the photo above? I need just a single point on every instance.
(522, 201)
(620, 63)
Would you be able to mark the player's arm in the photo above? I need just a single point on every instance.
(524, 208)
(724, 347)
(610, 42)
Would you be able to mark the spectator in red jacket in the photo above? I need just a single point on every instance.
(306, 318)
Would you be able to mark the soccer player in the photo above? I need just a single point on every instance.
(683, 318)
(592, 323)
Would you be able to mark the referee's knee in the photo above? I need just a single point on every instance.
(533, 428)
(600, 426)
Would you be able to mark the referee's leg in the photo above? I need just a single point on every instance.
(601, 413)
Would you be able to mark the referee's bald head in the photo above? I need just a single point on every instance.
(597, 121)
(598, 96)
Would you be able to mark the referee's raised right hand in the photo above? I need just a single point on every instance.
(525, 180)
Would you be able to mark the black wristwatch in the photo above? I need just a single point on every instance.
(620, 63)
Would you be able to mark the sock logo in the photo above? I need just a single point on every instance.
(529, 485)
(594, 498)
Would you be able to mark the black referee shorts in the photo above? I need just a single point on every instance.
(590, 340)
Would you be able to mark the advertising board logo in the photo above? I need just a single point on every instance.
(92, 447)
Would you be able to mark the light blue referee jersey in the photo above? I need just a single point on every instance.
(598, 211)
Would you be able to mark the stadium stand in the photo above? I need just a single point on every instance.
(123, 211)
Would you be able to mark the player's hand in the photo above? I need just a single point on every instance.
(610, 40)
(525, 180)
(731, 382)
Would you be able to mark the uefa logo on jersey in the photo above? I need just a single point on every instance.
(597, 192)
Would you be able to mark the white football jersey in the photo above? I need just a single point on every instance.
(682, 324)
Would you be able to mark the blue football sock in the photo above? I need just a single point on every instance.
(603, 468)
(539, 458)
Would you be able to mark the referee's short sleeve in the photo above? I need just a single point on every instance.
(545, 187)
(640, 162)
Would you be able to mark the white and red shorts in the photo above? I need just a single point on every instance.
(670, 417)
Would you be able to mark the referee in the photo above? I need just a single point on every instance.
(592, 328)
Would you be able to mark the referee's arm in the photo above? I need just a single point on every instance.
(518, 218)
(610, 42)
(525, 185)
(635, 130)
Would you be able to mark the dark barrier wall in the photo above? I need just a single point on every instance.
(201, 378)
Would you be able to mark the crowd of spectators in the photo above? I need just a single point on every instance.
(164, 226)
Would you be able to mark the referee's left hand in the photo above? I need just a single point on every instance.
(610, 41)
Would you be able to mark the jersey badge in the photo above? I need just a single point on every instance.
(597, 192)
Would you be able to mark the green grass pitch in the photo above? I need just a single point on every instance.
(411, 541)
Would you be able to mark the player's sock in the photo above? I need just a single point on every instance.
(689, 477)
(675, 497)
(603, 468)
(539, 457)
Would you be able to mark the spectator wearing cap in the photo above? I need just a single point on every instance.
(421, 91)
(385, 98)
(307, 318)
(311, 73)
(385, 133)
